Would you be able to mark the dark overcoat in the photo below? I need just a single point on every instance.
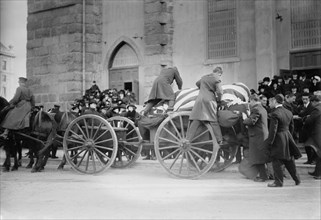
(280, 141)
(22, 102)
(161, 88)
(205, 107)
(313, 125)
(258, 132)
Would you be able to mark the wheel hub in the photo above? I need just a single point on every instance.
(89, 143)
(185, 145)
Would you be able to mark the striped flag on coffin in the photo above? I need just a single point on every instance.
(232, 93)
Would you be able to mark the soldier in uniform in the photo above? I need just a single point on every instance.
(162, 90)
(205, 107)
(19, 116)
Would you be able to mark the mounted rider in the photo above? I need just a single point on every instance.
(21, 104)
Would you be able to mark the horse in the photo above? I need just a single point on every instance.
(37, 137)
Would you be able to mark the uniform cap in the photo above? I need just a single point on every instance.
(23, 79)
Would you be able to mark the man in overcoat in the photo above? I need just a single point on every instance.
(280, 142)
(205, 107)
(258, 132)
(313, 124)
(162, 89)
(22, 102)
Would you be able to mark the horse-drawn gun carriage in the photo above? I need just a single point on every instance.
(92, 143)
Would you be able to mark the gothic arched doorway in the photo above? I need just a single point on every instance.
(123, 69)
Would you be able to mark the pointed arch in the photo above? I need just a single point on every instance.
(116, 46)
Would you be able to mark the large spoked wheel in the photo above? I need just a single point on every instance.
(129, 141)
(90, 144)
(225, 157)
(181, 157)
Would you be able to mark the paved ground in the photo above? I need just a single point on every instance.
(146, 191)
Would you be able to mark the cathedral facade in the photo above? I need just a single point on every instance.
(125, 44)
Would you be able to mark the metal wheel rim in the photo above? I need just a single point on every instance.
(130, 149)
(188, 160)
(95, 142)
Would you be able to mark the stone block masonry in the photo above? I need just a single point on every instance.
(55, 49)
(158, 38)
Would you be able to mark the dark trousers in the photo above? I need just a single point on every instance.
(311, 154)
(278, 172)
(317, 169)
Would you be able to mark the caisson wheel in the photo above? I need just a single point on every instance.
(129, 141)
(182, 157)
(90, 144)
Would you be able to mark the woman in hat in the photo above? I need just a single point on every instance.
(21, 104)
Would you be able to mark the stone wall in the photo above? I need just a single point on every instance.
(159, 28)
(55, 49)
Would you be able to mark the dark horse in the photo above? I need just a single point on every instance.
(38, 138)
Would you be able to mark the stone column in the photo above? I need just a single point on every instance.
(265, 39)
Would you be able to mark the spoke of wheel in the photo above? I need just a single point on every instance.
(93, 157)
(75, 141)
(98, 158)
(188, 165)
(169, 132)
(104, 141)
(126, 124)
(92, 128)
(101, 153)
(175, 159)
(101, 135)
(97, 130)
(174, 126)
(76, 155)
(86, 127)
(81, 131)
(132, 138)
(201, 134)
(131, 131)
(181, 165)
(170, 154)
(87, 161)
(165, 139)
(203, 142)
(199, 156)
(133, 153)
(191, 156)
(103, 147)
(169, 147)
(74, 148)
(78, 164)
(201, 149)
(182, 126)
(77, 135)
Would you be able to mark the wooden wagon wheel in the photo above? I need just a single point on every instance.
(90, 144)
(129, 141)
(181, 157)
